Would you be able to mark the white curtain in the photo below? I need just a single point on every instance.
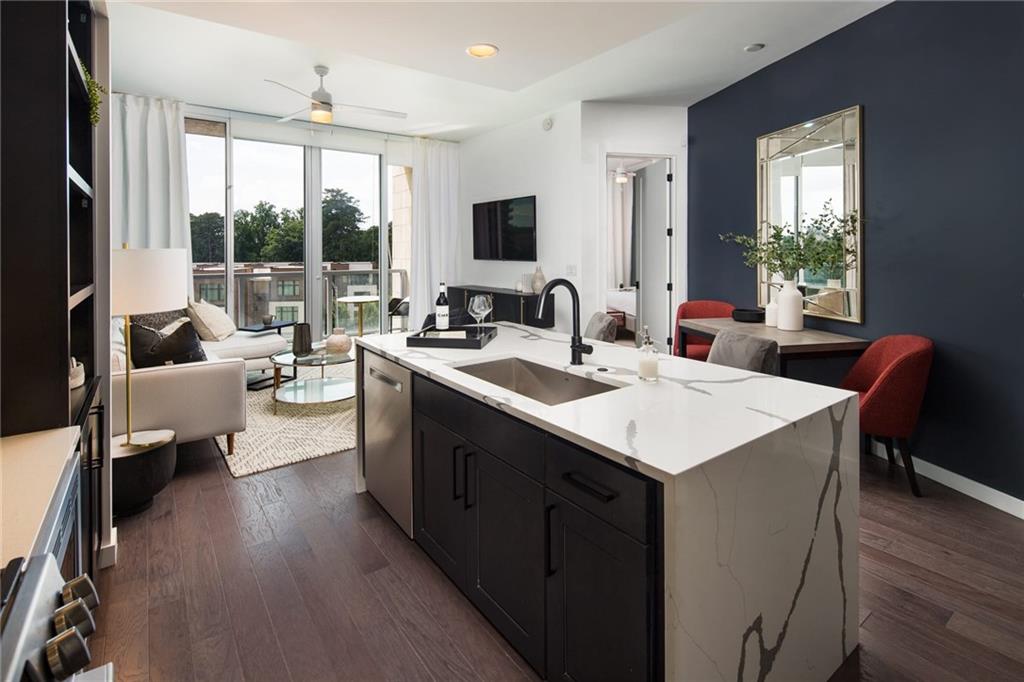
(620, 233)
(149, 175)
(435, 217)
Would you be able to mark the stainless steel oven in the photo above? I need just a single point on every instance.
(60, 532)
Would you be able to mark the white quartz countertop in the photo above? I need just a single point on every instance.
(30, 469)
(693, 414)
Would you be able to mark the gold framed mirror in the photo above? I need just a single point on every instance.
(808, 173)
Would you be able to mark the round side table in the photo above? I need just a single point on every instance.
(141, 469)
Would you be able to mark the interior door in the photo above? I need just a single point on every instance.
(655, 275)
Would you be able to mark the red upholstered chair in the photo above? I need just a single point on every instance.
(891, 377)
(697, 348)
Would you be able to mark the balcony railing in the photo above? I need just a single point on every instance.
(279, 289)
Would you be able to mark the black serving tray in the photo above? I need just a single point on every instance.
(476, 337)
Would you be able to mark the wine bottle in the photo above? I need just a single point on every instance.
(441, 309)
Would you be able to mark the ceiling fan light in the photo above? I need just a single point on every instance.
(321, 113)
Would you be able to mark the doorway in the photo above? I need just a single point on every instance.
(639, 253)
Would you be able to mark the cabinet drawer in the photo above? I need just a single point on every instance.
(620, 497)
(505, 437)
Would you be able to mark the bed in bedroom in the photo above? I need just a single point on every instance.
(621, 304)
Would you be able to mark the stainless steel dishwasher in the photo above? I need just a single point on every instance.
(387, 435)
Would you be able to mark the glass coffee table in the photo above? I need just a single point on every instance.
(313, 391)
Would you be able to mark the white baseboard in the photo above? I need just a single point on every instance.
(108, 552)
(990, 496)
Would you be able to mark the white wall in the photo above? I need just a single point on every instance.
(565, 168)
(522, 160)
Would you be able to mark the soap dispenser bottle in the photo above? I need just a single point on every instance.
(648, 365)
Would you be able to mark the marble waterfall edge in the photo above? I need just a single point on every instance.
(769, 532)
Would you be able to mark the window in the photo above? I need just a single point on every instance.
(350, 210)
(269, 225)
(274, 221)
(205, 148)
(289, 288)
(211, 292)
(288, 313)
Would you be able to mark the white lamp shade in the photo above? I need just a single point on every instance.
(147, 281)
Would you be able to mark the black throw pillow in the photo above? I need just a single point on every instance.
(151, 348)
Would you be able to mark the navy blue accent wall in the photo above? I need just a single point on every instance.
(942, 90)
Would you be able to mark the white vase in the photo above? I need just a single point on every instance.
(539, 280)
(771, 311)
(791, 307)
(339, 342)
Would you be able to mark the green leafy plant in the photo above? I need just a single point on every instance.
(95, 89)
(826, 244)
(836, 239)
(780, 251)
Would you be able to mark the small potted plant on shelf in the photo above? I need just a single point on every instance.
(786, 253)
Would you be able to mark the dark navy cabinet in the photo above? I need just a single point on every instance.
(556, 546)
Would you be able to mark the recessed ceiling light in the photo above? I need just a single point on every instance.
(754, 47)
(482, 50)
(809, 124)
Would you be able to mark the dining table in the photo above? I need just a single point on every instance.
(793, 345)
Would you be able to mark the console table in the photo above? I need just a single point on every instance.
(509, 305)
(807, 343)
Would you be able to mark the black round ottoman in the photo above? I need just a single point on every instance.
(142, 469)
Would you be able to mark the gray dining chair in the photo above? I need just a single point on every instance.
(734, 349)
(602, 327)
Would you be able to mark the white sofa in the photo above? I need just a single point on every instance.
(197, 400)
(253, 347)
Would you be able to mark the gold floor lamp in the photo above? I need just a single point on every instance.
(144, 281)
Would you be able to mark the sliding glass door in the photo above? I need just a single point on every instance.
(269, 232)
(287, 230)
(350, 240)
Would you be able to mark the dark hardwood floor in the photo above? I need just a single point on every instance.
(289, 574)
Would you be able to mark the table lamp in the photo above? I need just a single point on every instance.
(144, 281)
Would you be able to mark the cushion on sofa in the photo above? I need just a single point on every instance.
(247, 345)
(210, 321)
(151, 348)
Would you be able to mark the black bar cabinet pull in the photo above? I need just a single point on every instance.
(470, 479)
(458, 471)
(550, 552)
(589, 486)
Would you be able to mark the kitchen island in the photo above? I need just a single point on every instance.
(705, 525)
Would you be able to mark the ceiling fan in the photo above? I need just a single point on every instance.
(321, 106)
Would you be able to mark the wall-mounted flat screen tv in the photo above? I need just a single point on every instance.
(505, 230)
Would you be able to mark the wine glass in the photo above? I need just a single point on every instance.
(480, 307)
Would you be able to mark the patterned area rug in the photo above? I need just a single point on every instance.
(295, 433)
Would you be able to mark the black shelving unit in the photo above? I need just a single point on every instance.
(47, 253)
(48, 262)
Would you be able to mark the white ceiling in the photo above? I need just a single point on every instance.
(411, 56)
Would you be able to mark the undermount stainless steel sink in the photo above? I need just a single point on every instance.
(539, 382)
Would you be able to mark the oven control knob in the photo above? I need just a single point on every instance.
(67, 653)
(74, 615)
(81, 588)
